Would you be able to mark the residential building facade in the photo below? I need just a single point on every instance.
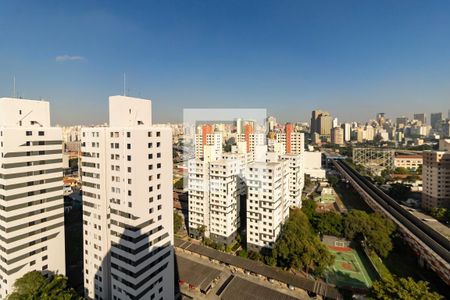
(267, 203)
(31, 192)
(127, 205)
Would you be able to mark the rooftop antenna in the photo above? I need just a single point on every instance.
(124, 84)
(14, 86)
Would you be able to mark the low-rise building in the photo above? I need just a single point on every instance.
(313, 165)
(410, 162)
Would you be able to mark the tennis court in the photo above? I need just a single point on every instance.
(348, 269)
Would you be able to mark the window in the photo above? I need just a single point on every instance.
(41, 133)
(28, 133)
(128, 134)
(129, 157)
(128, 146)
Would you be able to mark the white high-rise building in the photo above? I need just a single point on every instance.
(293, 141)
(347, 131)
(208, 143)
(296, 175)
(31, 192)
(198, 186)
(267, 203)
(224, 200)
(127, 205)
(254, 143)
(216, 189)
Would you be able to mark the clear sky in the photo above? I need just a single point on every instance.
(352, 58)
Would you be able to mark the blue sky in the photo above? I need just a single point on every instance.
(352, 58)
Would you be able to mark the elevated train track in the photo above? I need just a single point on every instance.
(432, 248)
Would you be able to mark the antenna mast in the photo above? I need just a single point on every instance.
(14, 86)
(124, 84)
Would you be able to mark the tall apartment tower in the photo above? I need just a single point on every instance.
(31, 192)
(401, 122)
(436, 177)
(127, 205)
(420, 117)
(267, 203)
(337, 136)
(435, 120)
(347, 127)
(216, 191)
(296, 173)
(293, 141)
(208, 143)
(315, 126)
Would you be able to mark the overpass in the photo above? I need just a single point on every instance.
(432, 248)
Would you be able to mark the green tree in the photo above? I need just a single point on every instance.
(440, 213)
(34, 285)
(400, 191)
(177, 222)
(401, 170)
(354, 223)
(411, 178)
(333, 180)
(402, 289)
(201, 231)
(375, 230)
(378, 233)
(309, 208)
(299, 247)
(419, 170)
(380, 180)
(179, 184)
(330, 223)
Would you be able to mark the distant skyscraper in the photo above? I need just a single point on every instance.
(315, 121)
(271, 122)
(321, 122)
(337, 136)
(435, 120)
(335, 123)
(381, 119)
(401, 122)
(448, 116)
(347, 131)
(325, 124)
(420, 117)
(31, 192)
(127, 205)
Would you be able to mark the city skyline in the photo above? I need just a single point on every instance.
(311, 55)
